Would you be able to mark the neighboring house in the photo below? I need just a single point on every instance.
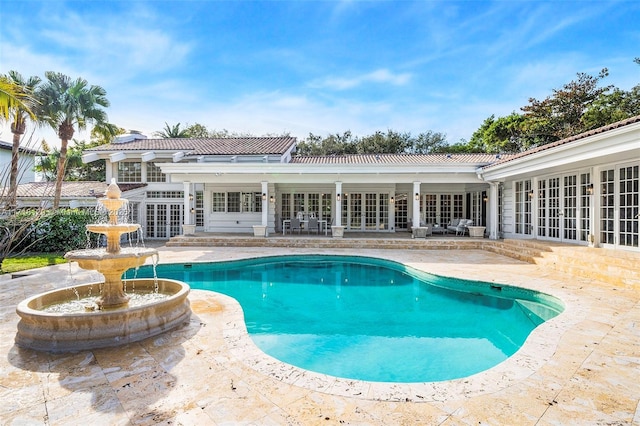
(26, 163)
(73, 194)
(580, 190)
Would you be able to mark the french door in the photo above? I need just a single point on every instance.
(366, 211)
(163, 220)
(619, 206)
(564, 212)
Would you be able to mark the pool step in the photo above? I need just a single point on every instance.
(617, 267)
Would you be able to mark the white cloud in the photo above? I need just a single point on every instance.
(380, 76)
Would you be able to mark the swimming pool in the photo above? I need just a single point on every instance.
(371, 319)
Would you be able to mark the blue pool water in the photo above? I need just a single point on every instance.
(371, 319)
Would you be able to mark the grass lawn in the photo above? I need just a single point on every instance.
(30, 261)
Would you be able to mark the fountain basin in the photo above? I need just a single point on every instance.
(66, 332)
(101, 260)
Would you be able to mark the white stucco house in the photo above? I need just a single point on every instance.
(580, 190)
(26, 163)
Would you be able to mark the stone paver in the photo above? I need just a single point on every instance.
(582, 367)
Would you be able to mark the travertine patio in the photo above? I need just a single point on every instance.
(582, 367)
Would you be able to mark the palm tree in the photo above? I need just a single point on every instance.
(9, 96)
(172, 132)
(66, 104)
(19, 113)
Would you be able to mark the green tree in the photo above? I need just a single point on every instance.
(335, 144)
(499, 135)
(19, 113)
(170, 132)
(612, 107)
(76, 169)
(380, 143)
(65, 105)
(198, 131)
(560, 115)
(429, 143)
(10, 97)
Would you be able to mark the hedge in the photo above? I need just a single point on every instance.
(57, 230)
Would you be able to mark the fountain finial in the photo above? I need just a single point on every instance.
(113, 191)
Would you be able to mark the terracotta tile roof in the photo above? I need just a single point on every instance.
(217, 146)
(400, 159)
(570, 139)
(70, 189)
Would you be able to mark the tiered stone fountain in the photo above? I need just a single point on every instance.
(107, 320)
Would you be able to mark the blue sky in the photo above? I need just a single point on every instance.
(320, 66)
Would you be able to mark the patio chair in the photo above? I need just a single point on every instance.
(313, 226)
(294, 225)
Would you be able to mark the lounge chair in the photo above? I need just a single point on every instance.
(459, 226)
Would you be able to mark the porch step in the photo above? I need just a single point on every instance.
(616, 267)
(205, 240)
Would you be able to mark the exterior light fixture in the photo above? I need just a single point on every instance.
(338, 196)
(417, 196)
(272, 200)
(264, 196)
(193, 210)
(485, 198)
(392, 200)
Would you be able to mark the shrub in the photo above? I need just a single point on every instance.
(57, 230)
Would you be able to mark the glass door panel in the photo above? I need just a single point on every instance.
(555, 211)
(355, 211)
(570, 208)
(628, 203)
(175, 219)
(370, 212)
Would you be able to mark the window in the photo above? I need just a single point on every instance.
(233, 202)
(236, 202)
(218, 202)
(165, 194)
(129, 171)
(154, 173)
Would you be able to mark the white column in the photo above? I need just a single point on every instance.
(188, 219)
(535, 202)
(594, 199)
(416, 204)
(265, 202)
(492, 212)
(339, 198)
